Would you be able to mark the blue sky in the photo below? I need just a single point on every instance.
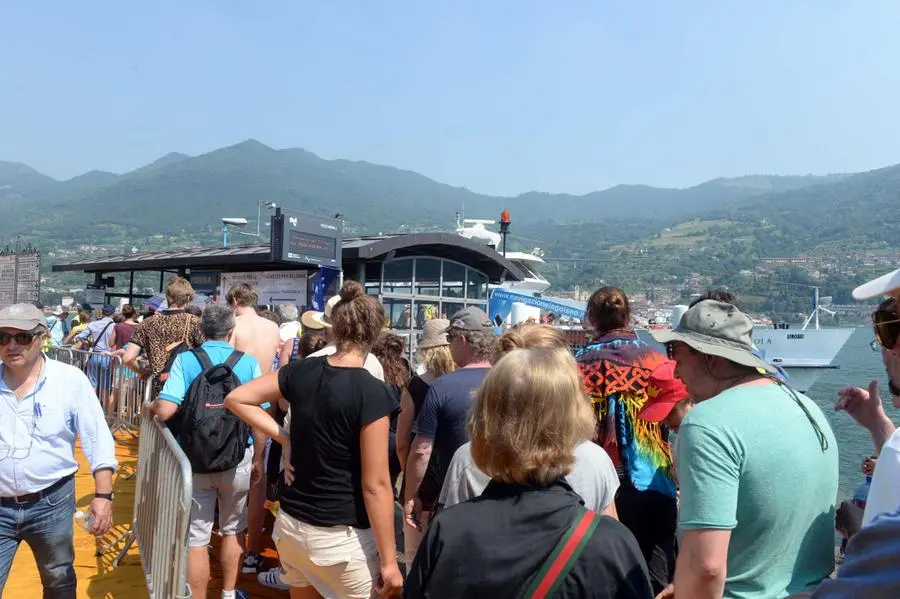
(501, 97)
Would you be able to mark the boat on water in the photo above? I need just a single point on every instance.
(805, 353)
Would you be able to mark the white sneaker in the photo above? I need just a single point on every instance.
(272, 579)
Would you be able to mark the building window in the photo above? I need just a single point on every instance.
(428, 276)
(454, 280)
(398, 313)
(398, 276)
(476, 285)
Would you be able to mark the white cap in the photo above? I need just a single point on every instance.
(883, 285)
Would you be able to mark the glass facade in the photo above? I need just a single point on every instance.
(414, 290)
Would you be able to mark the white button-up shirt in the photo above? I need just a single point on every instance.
(37, 434)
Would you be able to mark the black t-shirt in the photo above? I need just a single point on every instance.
(444, 413)
(493, 546)
(329, 407)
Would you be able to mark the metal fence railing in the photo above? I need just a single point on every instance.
(162, 510)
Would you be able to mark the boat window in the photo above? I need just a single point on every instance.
(454, 280)
(398, 276)
(428, 276)
(476, 285)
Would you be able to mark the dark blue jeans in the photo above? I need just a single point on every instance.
(46, 526)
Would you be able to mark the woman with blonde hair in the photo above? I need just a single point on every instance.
(593, 476)
(528, 534)
(434, 355)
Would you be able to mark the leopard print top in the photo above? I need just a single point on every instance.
(161, 330)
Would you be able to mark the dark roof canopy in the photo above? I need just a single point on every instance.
(359, 249)
(439, 245)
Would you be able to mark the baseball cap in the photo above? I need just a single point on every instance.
(664, 390)
(23, 317)
(883, 285)
(716, 329)
(108, 310)
(470, 319)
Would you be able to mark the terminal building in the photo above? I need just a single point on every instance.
(415, 276)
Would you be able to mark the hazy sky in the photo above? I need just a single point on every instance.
(499, 96)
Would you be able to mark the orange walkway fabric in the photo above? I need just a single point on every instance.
(97, 579)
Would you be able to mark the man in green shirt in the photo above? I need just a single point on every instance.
(757, 463)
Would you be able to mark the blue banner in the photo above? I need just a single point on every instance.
(324, 279)
(501, 304)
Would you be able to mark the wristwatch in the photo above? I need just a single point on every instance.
(108, 496)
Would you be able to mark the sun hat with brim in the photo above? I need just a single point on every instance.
(716, 329)
(883, 285)
(22, 317)
(313, 319)
(434, 333)
(664, 390)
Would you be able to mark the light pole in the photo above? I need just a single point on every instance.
(234, 222)
(259, 205)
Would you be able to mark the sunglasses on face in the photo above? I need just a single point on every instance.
(886, 325)
(24, 338)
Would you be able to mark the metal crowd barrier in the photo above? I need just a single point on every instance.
(162, 510)
(119, 389)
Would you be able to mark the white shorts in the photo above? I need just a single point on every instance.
(339, 561)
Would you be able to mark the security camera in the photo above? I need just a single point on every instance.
(235, 222)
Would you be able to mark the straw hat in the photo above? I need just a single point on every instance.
(433, 333)
(313, 319)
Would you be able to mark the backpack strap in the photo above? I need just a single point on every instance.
(234, 358)
(203, 358)
(564, 555)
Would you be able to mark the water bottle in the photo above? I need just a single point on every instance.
(86, 520)
(861, 494)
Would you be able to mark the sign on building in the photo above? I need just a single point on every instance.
(272, 287)
(20, 277)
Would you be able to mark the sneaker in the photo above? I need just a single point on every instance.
(272, 579)
(252, 563)
(241, 594)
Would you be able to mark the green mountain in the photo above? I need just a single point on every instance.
(199, 191)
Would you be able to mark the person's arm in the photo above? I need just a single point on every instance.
(173, 392)
(84, 334)
(865, 407)
(246, 403)
(379, 499)
(710, 467)
(702, 564)
(404, 427)
(100, 448)
(284, 358)
(133, 349)
(417, 465)
(112, 339)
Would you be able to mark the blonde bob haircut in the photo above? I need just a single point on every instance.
(530, 336)
(529, 415)
(437, 360)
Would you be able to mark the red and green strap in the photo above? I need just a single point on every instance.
(564, 556)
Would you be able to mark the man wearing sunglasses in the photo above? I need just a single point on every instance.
(44, 405)
(865, 406)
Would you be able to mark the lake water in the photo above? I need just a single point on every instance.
(859, 365)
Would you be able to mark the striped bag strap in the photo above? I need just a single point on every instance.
(564, 556)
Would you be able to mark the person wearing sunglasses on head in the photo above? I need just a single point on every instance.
(45, 405)
(865, 405)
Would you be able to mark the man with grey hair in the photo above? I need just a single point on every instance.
(45, 405)
(290, 322)
(757, 463)
(441, 423)
(229, 487)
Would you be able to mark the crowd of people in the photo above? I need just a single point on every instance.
(493, 466)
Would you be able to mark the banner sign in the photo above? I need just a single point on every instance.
(501, 303)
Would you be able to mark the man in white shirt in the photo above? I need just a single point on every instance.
(865, 405)
(44, 405)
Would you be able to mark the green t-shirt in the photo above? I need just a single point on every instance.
(749, 461)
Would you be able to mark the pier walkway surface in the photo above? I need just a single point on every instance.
(97, 578)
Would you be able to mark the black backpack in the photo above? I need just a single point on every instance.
(212, 437)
